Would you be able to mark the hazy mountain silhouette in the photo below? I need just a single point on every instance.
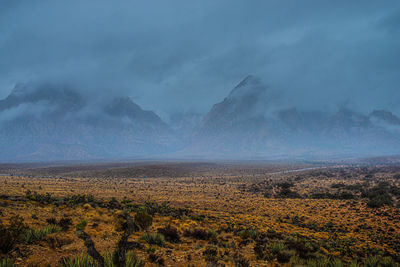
(50, 122)
(249, 123)
(46, 122)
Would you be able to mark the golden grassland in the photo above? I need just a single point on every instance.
(224, 203)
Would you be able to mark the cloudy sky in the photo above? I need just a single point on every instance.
(173, 56)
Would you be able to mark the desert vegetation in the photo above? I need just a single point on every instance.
(232, 214)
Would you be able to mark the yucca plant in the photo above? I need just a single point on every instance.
(372, 261)
(318, 263)
(277, 247)
(132, 260)
(82, 260)
(6, 263)
(33, 235)
(336, 263)
(154, 239)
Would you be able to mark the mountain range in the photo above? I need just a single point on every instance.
(41, 122)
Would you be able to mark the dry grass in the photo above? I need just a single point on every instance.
(223, 200)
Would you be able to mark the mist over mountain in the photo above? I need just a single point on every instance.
(50, 122)
(133, 79)
(251, 123)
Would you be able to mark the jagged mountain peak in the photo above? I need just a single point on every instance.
(385, 116)
(60, 97)
(247, 100)
(251, 86)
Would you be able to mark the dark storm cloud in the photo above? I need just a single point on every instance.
(187, 55)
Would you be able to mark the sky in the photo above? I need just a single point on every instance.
(184, 56)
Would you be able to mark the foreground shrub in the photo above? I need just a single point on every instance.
(33, 235)
(240, 261)
(143, 219)
(380, 200)
(11, 234)
(375, 261)
(6, 263)
(81, 225)
(82, 260)
(288, 193)
(249, 234)
(324, 262)
(156, 258)
(170, 233)
(65, 223)
(199, 233)
(154, 239)
(211, 254)
(380, 195)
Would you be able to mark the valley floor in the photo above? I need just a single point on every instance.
(207, 214)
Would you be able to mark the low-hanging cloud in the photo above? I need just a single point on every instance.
(185, 56)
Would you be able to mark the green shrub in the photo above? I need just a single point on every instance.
(199, 233)
(81, 225)
(284, 256)
(143, 219)
(6, 263)
(323, 262)
(82, 260)
(249, 234)
(156, 258)
(65, 223)
(154, 239)
(170, 233)
(33, 235)
(288, 193)
(240, 261)
(376, 261)
(132, 260)
(11, 234)
(380, 200)
(277, 247)
(211, 254)
(85, 260)
(379, 195)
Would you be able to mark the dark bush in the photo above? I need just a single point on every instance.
(156, 258)
(11, 234)
(241, 261)
(153, 208)
(170, 233)
(304, 248)
(285, 185)
(344, 195)
(154, 239)
(198, 233)
(249, 234)
(287, 193)
(51, 220)
(338, 185)
(259, 248)
(211, 254)
(379, 195)
(379, 201)
(284, 256)
(65, 223)
(143, 219)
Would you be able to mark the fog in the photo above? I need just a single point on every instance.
(183, 57)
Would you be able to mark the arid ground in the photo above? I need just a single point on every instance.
(202, 214)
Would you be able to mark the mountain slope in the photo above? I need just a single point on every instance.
(53, 123)
(248, 123)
